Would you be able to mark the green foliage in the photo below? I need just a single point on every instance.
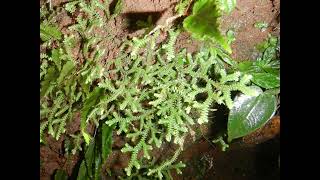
(222, 143)
(261, 25)
(250, 113)
(72, 144)
(266, 69)
(48, 32)
(117, 9)
(182, 6)
(96, 154)
(151, 93)
(204, 21)
(60, 175)
(167, 165)
(227, 5)
(60, 73)
(155, 91)
(266, 80)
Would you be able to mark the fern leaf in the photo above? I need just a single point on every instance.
(48, 32)
(67, 69)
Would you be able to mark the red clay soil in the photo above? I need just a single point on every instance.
(242, 21)
(203, 153)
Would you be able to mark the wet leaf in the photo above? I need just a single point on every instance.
(266, 80)
(250, 113)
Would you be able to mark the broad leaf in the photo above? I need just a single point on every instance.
(250, 113)
(91, 100)
(106, 140)
(97, 164)
(89, 158)
(82, 174)
(266, 80)
(203, 23)
(246, 66)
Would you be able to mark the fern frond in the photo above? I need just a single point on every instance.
(49, 32)
(43, 126)
(134, 162)
(71, 6)
(169, 47)
(166, 165)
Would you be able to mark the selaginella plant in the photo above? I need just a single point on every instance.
(151, 93)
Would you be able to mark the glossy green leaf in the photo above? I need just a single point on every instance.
(250, 113)
(274, 91)
(106, 141)
(60, 175)
(204, 24)
(266, 80)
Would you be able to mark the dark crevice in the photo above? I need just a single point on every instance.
(133, 18)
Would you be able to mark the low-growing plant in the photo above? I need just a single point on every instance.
(150, 93)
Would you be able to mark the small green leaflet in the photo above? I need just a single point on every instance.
(204, 24)
(266, 80)
(250, 113)
(227, 5)
(261, 25)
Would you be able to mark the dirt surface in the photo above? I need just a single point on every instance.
(242, 21)
(204, 160)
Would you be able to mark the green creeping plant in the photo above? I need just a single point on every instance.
(204, 21)
(148, 93)
(252, 113)
(155, 91)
